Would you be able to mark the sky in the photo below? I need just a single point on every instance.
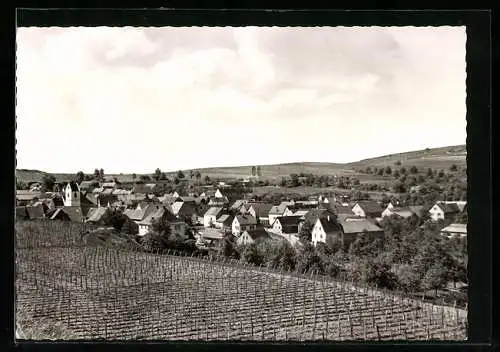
(132, 99)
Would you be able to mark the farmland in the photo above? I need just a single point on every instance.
(435, 158)
(92, 292)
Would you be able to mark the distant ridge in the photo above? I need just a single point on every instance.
(435, 158)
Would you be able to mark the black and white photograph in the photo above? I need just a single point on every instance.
(277, 184)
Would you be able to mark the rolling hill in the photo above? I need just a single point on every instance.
(435, 158)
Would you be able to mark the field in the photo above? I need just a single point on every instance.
(435, 158)
(108, 293)
(311, 191)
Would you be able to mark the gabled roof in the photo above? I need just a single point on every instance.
(72, 213)
(21, 213)
(329, 226)
(156, 214)
(289, 220)
(261, 209)
(176, 206)
(340, 209)
(278, 209)
(370, 207)
(238, 204)
(313, 214)
(455, 228)
(168, 199)
(35, 212)
(74, 186)
(96, 214)
(225, 219)
(449, 208)
(213, 211)
(246, 219)
(139, 214)
(257, 234)
(358, 225)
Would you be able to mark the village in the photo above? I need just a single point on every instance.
(217, 211)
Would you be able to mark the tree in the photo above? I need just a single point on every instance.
(395, 173)
(388, 170)
(207, 179)
(134, 176)
(435, 278)
(413, 169)
(430, 173)
(259, 171)
(252, 255)
(157, 174)
(20, 185)
(453, 167)
(130, 227)
(379, 272)
(254, 171)
(368, 170)
(97, 174)
(198, 175)
(308, 259)
(48, 182)
(305, 232)
(80, 176)
(145, 178)
(180, 174)
(101, 174)
(409, 279)
(397, 163)
(163, 176)
(153, 241)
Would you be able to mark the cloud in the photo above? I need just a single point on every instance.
(133, 99)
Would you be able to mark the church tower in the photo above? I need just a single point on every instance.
(72, 195)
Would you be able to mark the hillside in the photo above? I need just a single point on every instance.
(435, 158)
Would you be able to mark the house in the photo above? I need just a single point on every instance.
(72, 194)
(109, 185)
(314, 214)
(27, 197)
(242, 223)
(325, 229)
(352, 228)
(238, 204)
(211, 216)
(446, 210)
(30, 212)
(106, 200)
(403, 212)
(454, 230)
(287, 224)
(161, 213)
(67, 213)
(225, 222)
(252, 236)
(169, 199)
(208, 237)
(184, 209)
(301, 213)
(260, 211)
(97, 215)
(368, 209)
(218, 201)
(279, 211)
(88, 186)
(140, 213)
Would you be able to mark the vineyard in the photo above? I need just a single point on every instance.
(120, 294)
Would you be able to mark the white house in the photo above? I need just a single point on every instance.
(454, 230)
(252, 236)
(279, 211)
(443, 210)
(367, 209)
(211, 216)
(323, 228)
(287, 225)
(242, 223)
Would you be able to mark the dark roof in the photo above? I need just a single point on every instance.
(313, 214)
(74, 186)
(21, 213)
(238, 204)
(358, 225)
(261, 209)
(225, 219)
(278, 209)
(35, 212)
(370, 207)
(330, 226)
(257, 234)
(96, 214)
(340, 209)
(449, 208)
(289, 220)
(246, 219)
(140, 214)
(69, 213)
